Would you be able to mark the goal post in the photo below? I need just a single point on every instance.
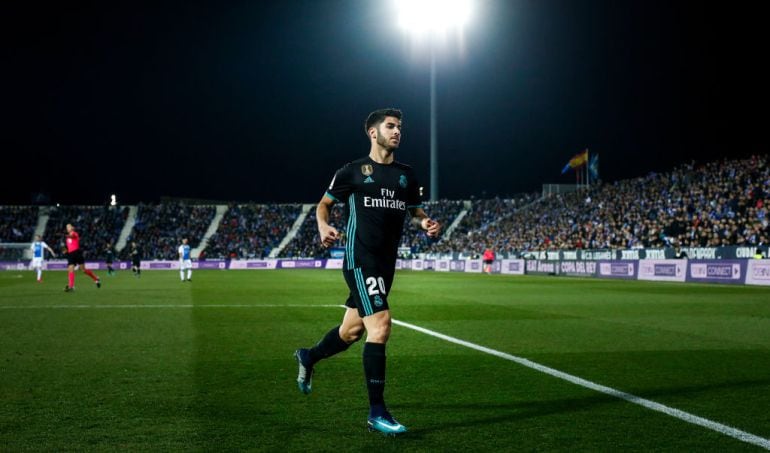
(15, 251)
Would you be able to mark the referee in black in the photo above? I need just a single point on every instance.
(378, 192)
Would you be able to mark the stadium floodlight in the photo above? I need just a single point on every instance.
(113, 200)
(433, 18)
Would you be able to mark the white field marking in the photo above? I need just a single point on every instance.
(64, 306)
(652, 405)
(676, 413)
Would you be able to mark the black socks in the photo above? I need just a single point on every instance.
(329, 345)
(374, 370)
(374, 365)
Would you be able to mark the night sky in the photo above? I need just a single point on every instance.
(263, 101)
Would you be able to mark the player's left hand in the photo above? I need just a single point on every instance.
(431, 226)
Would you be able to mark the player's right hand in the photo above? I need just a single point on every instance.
(329, 235)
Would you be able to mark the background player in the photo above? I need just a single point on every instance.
(75, 258)
(38, 256)
(136, 260)
(378, 191)
(109, 257)
(184, 261)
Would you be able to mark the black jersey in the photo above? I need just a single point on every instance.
(136, 254)
(377, 197)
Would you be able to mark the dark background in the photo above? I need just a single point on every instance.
(263, 101)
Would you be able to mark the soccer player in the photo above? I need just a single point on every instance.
(38, 255)
(109, 257)
(184, 261)
(75, 258)
(378, 191)
(136, 260)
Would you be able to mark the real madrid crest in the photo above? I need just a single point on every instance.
(367, 169)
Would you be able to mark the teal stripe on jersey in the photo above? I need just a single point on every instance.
(362, 291)
(415, 206)
(367, 301)
(332, 197)
(349, 247)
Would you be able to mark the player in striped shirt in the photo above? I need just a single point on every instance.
(184, 261)
(38, 255)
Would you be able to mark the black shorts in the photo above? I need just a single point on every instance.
(369, 289)
(136, 262)
(75, 258)
(489, 261)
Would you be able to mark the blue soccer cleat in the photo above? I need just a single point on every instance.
(385, 424)
(305, 376)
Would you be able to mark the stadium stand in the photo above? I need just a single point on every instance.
(97, 226)
(251, 231)
(306, 243)
(159, 229)
(444, 211)
(477, 229)
(17, 224)
(721, 203)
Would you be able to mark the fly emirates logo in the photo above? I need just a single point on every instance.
(385, 201)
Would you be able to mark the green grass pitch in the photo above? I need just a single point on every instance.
(156, 364)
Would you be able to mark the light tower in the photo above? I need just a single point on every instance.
(432, 20)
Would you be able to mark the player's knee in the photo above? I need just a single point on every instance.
(351, 334)
(379, 333)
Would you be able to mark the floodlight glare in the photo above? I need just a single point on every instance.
(432, 16)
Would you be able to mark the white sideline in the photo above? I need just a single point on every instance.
(676, 413)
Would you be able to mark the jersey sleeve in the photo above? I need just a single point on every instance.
(342, 185)
(414, 198)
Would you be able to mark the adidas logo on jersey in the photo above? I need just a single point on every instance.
(368, 180)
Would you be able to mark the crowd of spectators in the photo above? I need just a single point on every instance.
(720, 203)
(443, 211)
(251, 231)
(307, 243)
(17, 224)
(97, 226)
(160, 228)
(477, 230)
(716, 204)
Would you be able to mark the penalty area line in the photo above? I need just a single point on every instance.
(652, 405)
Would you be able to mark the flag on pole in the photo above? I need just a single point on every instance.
(593, 167)
(577, 161)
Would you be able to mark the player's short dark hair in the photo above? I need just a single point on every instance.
(378, 116)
